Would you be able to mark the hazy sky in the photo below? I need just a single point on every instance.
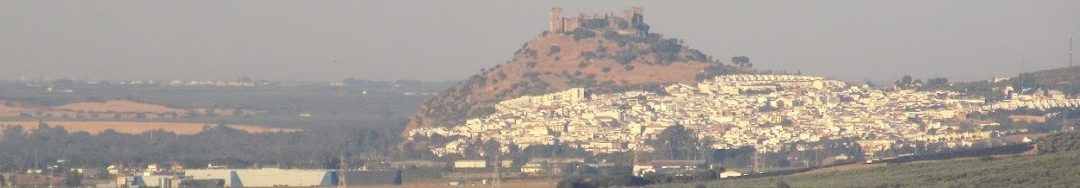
(449, 40)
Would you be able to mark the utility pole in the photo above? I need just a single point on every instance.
(1065, 118)
(498, 164)
(1065, 121)
(757, 160)
(342, 169)
(634, 162)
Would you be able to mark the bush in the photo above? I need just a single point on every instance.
(582, 34)
(554, 50)
(666, 51)
(587, 55)
(72, 179)
(582, 64)
(782, 184)
(625, 56)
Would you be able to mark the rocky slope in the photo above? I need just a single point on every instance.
(597, 60)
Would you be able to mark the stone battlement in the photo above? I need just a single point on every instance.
(631, 22)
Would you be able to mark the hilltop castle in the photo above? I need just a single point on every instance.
(631, 22)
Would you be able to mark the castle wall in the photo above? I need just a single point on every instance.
(633, 19)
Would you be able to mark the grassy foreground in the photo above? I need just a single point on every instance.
(1047, 170)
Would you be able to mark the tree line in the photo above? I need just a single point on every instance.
(218, 145)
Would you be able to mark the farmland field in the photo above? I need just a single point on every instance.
(121, 106)
(1049, 170)
(361, 105)
(131, 127)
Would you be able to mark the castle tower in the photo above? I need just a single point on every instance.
(636, 19)
(637, 15)
(555, 20)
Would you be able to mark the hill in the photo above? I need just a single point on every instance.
(135, 127)
(1065, 79)
(1055, 166)
(1062, 78)
(602, 53)
(1051, 170)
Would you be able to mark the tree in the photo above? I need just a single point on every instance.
(73, 179)
(937, 82)
(676, 142)
(903, 82)
(658, 178)
(491, 150)
(703, 174)
(554, 50)
(666, 51)
(580, 33)
(1025, 81)
(332, 163)
(908, 82)
(742, 61)
(216, 144)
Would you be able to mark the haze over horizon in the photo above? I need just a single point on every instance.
(331, 40)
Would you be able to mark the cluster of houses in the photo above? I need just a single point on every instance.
(766, 112)
(1039, 101)
(553, 167)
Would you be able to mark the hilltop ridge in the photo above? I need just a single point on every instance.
(603, 53)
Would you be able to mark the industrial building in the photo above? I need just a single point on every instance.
(265, 177)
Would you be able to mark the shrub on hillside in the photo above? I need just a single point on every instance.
(1065, 141)
(554, 50)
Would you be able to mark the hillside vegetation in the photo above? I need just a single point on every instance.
(317, 147)
(1065, 79)
(601, 62)
(1056, 166)
(1061, 142)
(1052, 170)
